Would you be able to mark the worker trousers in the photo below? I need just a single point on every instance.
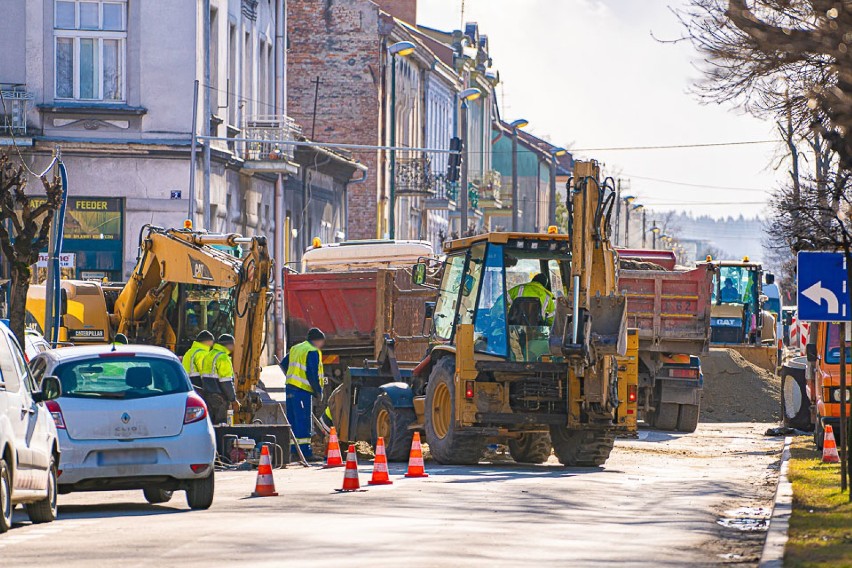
(299, 403)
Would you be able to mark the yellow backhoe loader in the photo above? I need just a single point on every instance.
(184, 281)
(533, 370)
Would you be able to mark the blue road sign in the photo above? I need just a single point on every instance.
(822, 288)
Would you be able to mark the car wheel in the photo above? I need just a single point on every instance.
(199, 494)
(5, 498)
(44, 511)
(155, 495)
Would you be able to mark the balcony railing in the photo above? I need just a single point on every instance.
(272, 131)
(13, 112)
(414, 176)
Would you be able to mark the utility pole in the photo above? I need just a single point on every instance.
(515, 192)
(205, 114)
(627, 225)
(463, 197)
(193, 155)
(644, 230)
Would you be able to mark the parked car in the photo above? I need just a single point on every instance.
(36, 343)
(128, 418)
(29, 448)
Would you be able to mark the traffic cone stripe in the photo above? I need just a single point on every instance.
(333, 457)
(415, 459)
(829, 446)
(350, 476)
(380, 465)
(265, 486)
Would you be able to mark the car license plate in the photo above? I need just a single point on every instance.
(127, 457)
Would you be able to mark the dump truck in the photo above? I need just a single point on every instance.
(738, 318)
(824, 385)
(510, 371)
(670, 308)
(356, 292)
(184, 281)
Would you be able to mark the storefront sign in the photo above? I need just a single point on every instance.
(66, 260)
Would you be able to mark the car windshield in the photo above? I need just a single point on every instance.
(832, 348)
(122, 377)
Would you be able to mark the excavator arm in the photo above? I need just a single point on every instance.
(150, 308)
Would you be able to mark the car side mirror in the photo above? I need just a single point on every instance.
(418, 274)
(429, 311)
(811, 352)
(51, 389)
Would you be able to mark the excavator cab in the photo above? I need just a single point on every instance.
(490, 285)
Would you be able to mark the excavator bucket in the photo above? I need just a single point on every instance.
(609, 324)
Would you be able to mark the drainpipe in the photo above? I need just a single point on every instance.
(278, 204)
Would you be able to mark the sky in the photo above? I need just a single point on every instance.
(589, 74)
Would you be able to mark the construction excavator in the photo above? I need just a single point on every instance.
(502, 367)
(184, 281)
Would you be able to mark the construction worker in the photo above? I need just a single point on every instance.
(303, 368)
(193, 359)
(217, 379)
(537, 288)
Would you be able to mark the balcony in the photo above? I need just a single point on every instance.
(13, 112)
(490, 185)
(444, 194)
(414, 177)
(268, 152)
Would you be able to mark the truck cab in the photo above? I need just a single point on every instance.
(824, 387)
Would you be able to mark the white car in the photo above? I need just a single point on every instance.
(29, 448)
(36, 343)
(128, 418)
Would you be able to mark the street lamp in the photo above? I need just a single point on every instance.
(627, 199)
(554, 153)
(515, 125)
(465, 96)
(655, 230)
(403, 49)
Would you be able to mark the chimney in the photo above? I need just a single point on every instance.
(405, 10)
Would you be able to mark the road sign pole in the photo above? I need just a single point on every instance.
(841, 440)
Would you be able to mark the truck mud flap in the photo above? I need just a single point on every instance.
(679, 393)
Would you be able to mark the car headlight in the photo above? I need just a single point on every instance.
(835, 395)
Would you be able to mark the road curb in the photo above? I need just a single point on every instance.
(776, 536)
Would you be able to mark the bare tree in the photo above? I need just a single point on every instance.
(24, 231)
(780, 58)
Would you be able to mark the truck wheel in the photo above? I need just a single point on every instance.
(391, 423)
(687, 420)
(447, 445)
(154, 495)
(581, 448)
(530, 448)
(44, 511)
(795, 403)
(666, 416)
(5, 498)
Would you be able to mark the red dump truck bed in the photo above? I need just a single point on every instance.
(354, 310)
(671, 308)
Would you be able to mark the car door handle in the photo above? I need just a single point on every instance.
(26, 410)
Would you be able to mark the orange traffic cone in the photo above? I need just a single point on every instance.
(350, 477)
(415, 459)
(265, 486)
(332, 454)
(829, 446)
(380, 466)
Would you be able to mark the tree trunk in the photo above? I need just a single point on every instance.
(18, 301)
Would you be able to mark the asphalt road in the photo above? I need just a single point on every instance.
(655, 503)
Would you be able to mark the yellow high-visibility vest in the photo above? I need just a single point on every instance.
(297, 369)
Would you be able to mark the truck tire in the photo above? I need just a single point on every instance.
(155, 495)
(44, 511)
(687, 420)
(531, 448)
(665, 417)
(446, 444)
(391, 423)
(199, 494)
(581, 448)
(5, 497)
(795, 404)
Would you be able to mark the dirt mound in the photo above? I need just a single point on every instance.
(630, 264)
(738, 391)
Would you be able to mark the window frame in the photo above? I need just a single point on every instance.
(99, 35)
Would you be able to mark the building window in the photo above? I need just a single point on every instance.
(90, 44)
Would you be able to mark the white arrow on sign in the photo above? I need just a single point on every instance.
(817, 294)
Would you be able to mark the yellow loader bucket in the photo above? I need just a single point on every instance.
(763, 356)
